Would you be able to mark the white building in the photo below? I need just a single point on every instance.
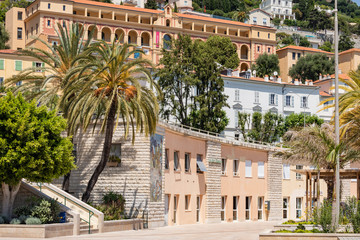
(182, 5)
(278, 8)
(259, 17)
(262, 95)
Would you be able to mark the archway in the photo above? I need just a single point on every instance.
(244, 67)
(244, 52)
(106, 34)
(145, 39)
(120, 35)
(167, 41)
(94, 31)
(132, 37)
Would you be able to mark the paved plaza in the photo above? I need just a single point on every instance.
(221, 231)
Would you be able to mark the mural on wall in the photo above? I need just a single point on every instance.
(156, 145)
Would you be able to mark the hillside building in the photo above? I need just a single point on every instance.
(278, 8)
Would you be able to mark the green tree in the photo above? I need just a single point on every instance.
(345, 43)
(276, 21)
(222, 51)
(31, 146)
(305, 7)
(151, 4)
(304, 42)
(244, 123)
(266, 64)
(296, 121)
(266, 128)
(4, 37)
(108, 87)
(327, 46)
(309, 67)
(5, 6)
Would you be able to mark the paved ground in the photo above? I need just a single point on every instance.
(221, 231)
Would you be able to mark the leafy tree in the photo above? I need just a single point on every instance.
(5, 5)
(31, 146)
(222, 51)
(304, 42)
(151, 4)
(4, 37)
(288, 40)
(244, 122)
(276, 21)
(327, 46)
(310, 66)
(108, 89)
(305, 7)
(266, 64)
(218, 12)
(296, 120)
(345, 43)
(266, 128)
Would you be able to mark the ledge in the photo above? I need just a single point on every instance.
(36, 231)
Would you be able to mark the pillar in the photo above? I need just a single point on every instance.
(274, 187)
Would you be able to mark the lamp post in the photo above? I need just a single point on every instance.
(337, 124)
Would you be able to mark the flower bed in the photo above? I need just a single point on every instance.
(306, 236)
(36, 231)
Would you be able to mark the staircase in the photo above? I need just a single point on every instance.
(89, 219)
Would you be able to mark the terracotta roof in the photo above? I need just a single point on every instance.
(350, 50)
(304, 49)
(8, 51)
(256, 9)
(117, 6)
(210, 19)
(325, 94)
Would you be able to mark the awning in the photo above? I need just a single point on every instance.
(201, 166)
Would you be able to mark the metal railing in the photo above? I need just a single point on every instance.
(65, 198)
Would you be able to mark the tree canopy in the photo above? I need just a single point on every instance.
(266, 64)
(310, 66)
(4, 37)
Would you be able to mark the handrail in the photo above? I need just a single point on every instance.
(91, 211)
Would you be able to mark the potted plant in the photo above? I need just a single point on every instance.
(114, 161)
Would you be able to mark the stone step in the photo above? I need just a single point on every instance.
(86, 231)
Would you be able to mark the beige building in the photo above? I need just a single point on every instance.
(288, 57)
(349, 60)
(15, 26)
(259, 17)
(145, 27)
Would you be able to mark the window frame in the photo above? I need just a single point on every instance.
(19, 31)
(187, 162)
(166, 164)
(176, 166)
(223, 166)
(236, 163)
(263, 169)
(298, 175)
(187, 202)
(248, 169)
(297, 210)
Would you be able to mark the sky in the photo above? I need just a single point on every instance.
(357, 1)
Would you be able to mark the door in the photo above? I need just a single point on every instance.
(166, 215)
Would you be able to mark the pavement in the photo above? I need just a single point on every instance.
(219, 231)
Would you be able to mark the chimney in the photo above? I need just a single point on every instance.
(320, 77)
(279, 79)
(311, 83)
(340, 72)
(266, 78)
(271, 78)
(296, 82)
(307, 82)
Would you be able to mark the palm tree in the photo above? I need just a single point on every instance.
(109, 88)
(56, 63)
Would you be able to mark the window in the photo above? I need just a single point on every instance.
(237, 95)
(326, 104)
(64, 24)
(18, 65)
(198, 207)
(19, 33)
(19, 83)
(223, 166)
(236, 118)
(74, 153)
(299, 55)
(286, 171)
(49, 5)
(20, 16)
(175, 207)
(265, 22)
(64, 7)
(168, 23)
(248, 168)
(258, 48)
(255, 21)
(257, 97)
(1, 81)
(285, 208)
(32, 31)
(304, 102)
(187, 162)
(38, 66)
(200, 165)
(48, 23)
(289, 101)
(269, 50)
(258, 34)
(235, 208)
(37, 28)
(115, 153)
(273, 99)
(298, 175)
(2, 64)
(298, 207)
(236, 168)
(187, 202)
(54, 43)
(223, 207)
(185, 3)
(293, 56)
(260, 207)
(166, 158)
(247, 207)
(261, 170)
(176, 161)
(74, 12)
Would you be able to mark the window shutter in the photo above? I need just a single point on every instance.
(286, 171)
(269, 98)
(2, 63)
(248, 168)
(284, 100)
(292, 101)
(34, 64)
(42, 65)
(18, 65)
(276, 99)
(261, 169)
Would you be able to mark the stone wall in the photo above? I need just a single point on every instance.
(274, 187)
(213, 182)
(21, 198)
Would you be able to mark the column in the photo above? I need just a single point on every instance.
(113, 15)
(274, 187)
(139, 19)
(99, 13)
(126, 17)
(85, 12)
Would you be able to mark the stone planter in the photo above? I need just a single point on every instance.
(292, 227)
(307, 236)
(112, 164)
(123, 225)
(36, 231)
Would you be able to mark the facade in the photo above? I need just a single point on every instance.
(15, 26)
(278, 8)
(349, 60)
(259, 17)
(145, 27)
(262, 95)
(182, 5)
(288, 57)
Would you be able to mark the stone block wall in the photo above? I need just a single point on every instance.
(274, 187)
(213, 182)
(21, 198)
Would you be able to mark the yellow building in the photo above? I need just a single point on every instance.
(349, 60)
(145, 27)
(288, 57)
(16, 27)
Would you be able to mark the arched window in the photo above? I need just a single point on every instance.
(168, 23)
(167, 41)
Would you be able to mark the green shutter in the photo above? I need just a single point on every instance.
(34, 64)
(2, 63)
(42, 65)
(18, 65)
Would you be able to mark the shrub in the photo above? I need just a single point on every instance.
(2, 221)
(46, 211)
(22, 218)
(15, 221)
(353, 213)
(323, 216)
(300, 227)
(113, 206)
(33, 221)
(23, 211)
(6, 219)
(283, 231)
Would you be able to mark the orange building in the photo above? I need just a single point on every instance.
(145, 27)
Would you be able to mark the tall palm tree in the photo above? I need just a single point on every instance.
(108, 89)
(56, 63)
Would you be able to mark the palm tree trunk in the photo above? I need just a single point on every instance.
(106, 152)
